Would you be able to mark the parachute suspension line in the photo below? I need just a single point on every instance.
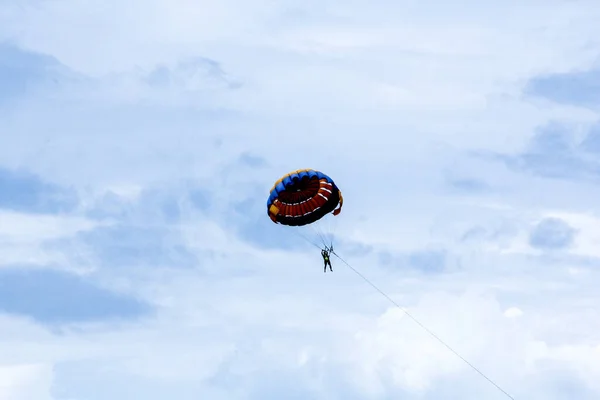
(296, 231)
(332, 223)
(426, 329)
(319, 231)
(325, 229)
(324, 226)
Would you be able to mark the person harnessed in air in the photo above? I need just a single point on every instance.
(326, 261)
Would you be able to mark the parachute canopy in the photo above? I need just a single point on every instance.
(303, 197)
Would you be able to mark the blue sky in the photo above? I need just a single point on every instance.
(139, 144)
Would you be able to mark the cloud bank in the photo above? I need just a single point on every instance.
(139, 142)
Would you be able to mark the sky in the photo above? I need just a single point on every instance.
(140, 140)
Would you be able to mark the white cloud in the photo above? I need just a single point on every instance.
(24, 382)
(513, 312)
(385, 97)
(587, 240)
(22, 236)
